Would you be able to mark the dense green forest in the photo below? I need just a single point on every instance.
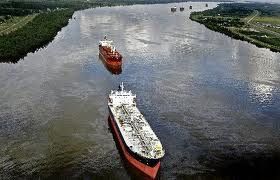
(35, 34)
(26, 7)
(239, 20)
(51, 17)
(242, 10)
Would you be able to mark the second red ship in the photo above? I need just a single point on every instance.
(109, 53)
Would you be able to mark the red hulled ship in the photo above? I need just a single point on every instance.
(109, 53)
(139, 144)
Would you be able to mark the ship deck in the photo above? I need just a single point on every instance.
(109, 51)
(136, 131)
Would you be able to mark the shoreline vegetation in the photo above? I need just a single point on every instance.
(27, 25)
(256, 23)
(37, 33)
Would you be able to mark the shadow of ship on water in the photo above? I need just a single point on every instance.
(133, 173)
(113, 69)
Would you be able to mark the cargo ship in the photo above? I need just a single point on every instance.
(173, 9)
(109, 52)
(139, 144)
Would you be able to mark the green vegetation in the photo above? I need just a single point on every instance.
(14, 23)
(26, 25)
(35, 34)
(269, 23)
(258, 23)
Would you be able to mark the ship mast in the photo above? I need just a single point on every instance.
(121, 87)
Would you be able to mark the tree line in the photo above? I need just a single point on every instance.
(36, 33)
(229, 15)
(44, 27)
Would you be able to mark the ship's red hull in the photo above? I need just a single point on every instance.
(149, 171)
(111, 58)
(114, 69)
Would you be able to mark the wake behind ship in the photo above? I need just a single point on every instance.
(139, 144)
(109, 53)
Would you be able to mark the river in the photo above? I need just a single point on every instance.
(213, 101)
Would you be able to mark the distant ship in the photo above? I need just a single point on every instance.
(139, 144)
(190, 7)
(109, 52)
(182, 8)
(173, 9)
(206, 5)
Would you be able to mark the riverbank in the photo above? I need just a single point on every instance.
(37, 33)
(257, 23)
(26, 26)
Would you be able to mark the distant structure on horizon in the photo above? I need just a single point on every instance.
(173, 9)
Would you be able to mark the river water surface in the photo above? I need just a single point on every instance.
(213, 101)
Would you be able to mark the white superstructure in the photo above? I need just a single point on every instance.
(135, 130)
(108, 44)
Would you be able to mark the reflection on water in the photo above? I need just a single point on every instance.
(214, 102)
(262, 93)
